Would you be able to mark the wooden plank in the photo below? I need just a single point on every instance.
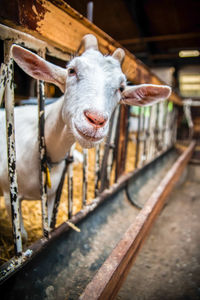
(58, 24)
(108, 280)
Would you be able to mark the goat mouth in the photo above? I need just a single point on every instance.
(87, 136)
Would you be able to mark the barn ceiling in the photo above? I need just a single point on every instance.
(155, 31)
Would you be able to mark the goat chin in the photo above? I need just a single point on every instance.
(86, 143)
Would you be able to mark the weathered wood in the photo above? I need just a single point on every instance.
(108, 280)
(58, 24)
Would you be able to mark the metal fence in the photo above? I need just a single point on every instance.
(136, 136)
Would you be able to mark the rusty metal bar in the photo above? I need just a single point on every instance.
(147, 139)
(112, 143)
(85, 177)
(70, 191)
(3, 80)
(156, 130)
(109, 278)
(144, 136)
(152, 134)
(58, 195)
(43, 159)
(97, 170)
(168, 130)
(103, 172)
(164, 125)
(138, 139)
(70, 185)
(11, 151)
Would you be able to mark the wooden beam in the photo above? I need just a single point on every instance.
(108, 280)
(55, 22)
(160, 38)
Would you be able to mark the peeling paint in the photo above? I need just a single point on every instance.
(11, 153)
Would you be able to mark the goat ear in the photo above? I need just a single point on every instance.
(39, 68)
(145, 94)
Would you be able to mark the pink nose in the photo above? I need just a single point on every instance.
(96, 119)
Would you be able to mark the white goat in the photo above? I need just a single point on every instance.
(93, 85)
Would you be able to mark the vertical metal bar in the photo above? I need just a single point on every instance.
(151, 132)
(165, 125)
(147, 134)
(90, 7)
(42, 155)
(58, 195)
(85, 177)
(3, 79)
(70, 185)
(138, 139)
(143, 156)
(121, 142)
(161, 125)
(11, 151)
(167, 135)
(176, 125)
(156, 131)
(103, 171)
(164, 122)
(97, 170)
(112, 143)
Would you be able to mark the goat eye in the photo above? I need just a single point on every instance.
(121, 89)
(71, 72)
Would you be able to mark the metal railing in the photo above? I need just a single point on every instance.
(136, 136)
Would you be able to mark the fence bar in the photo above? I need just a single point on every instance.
(112, 143)
(3, 79)
(11, 151)
(156, 130)
(147, 135)
(70, 184)
(103, 172)
(144, 136)
(121, 141)
(85, 177)
(97, 170)
(164, 125)
(151, 146)
(58, 195)
(43, 161)
(138, 138)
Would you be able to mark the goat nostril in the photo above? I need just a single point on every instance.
(95, 118)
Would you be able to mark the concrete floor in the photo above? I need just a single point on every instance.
(168, 266)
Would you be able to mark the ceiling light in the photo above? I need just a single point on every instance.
(189, 53)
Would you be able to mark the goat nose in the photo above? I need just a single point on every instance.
(96, 119)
